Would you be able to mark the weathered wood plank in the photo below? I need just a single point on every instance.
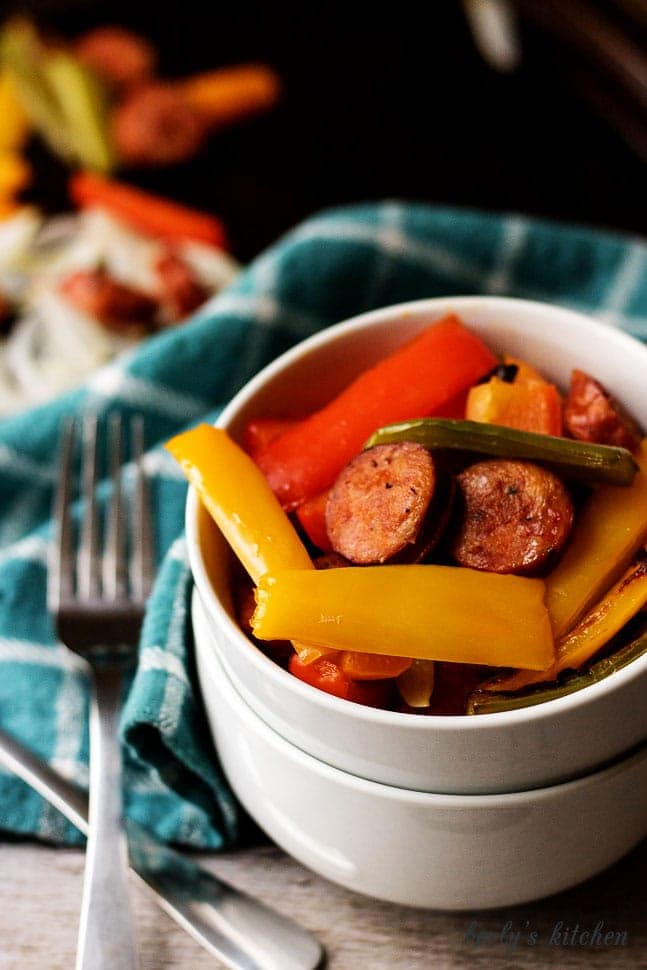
(40, 892)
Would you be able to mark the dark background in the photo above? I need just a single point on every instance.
(383, 104)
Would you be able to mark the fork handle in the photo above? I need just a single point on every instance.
(106, 933)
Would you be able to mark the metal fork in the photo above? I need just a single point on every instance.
(98, 605)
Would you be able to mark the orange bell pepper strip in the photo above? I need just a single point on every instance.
(528, 403)
(526, 373)
(417, 379)
(230, 94)
(420, 612)
(149, 213)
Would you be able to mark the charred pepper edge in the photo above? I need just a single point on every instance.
(487, 702)
(588, 462)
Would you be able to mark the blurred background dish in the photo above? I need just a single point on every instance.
(398, 106)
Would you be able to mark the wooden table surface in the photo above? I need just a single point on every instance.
(40, 892)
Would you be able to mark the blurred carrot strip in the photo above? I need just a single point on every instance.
(149, 213)
(231, 93)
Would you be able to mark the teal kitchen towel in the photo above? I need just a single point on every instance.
(333, 266)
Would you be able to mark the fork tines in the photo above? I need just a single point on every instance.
(115, 574)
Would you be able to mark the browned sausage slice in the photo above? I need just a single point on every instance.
(181, 292)
(118, 56)
(157, 125)
(117, 306)
(516, 517)
(378, 504)
(592, 414)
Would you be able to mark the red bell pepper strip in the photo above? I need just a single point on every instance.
(372, 666)
(417, 379)
(312, 516)
(258, 433)
(150, 214)
(327, 675)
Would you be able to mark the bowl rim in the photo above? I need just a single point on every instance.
(265, 665)
(310, 763)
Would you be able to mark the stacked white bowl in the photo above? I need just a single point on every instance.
(450, 812)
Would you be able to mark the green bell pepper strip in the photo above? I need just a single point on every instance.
(575, 459)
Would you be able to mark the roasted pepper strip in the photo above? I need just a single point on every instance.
(608, 617)
(609, 530)
(486, 702)
(622, 602)
(587, 462)
(424, 612)
(239, 499)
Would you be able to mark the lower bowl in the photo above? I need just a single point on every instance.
(545, 744)
(452, 852)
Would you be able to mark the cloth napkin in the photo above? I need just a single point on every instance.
(333, 266)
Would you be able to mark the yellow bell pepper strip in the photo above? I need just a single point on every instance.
(237, 496)
(82, 103)
(15, 173)
(621, 603)
(14, 129)
(423, 612)
(485, 702)
(609, 530)
(416, 685)
(23, 56)
(589, 463)
(240, 501)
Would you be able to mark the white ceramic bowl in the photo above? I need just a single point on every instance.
(437, 851)
(504, 752)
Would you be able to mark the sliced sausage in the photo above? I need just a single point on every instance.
(438, 517)
(117, 306)
(516, 517)
(330, 560)
(120, 57)
(592, 414)
(181, 292)
(157, 125)
(378, 504)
